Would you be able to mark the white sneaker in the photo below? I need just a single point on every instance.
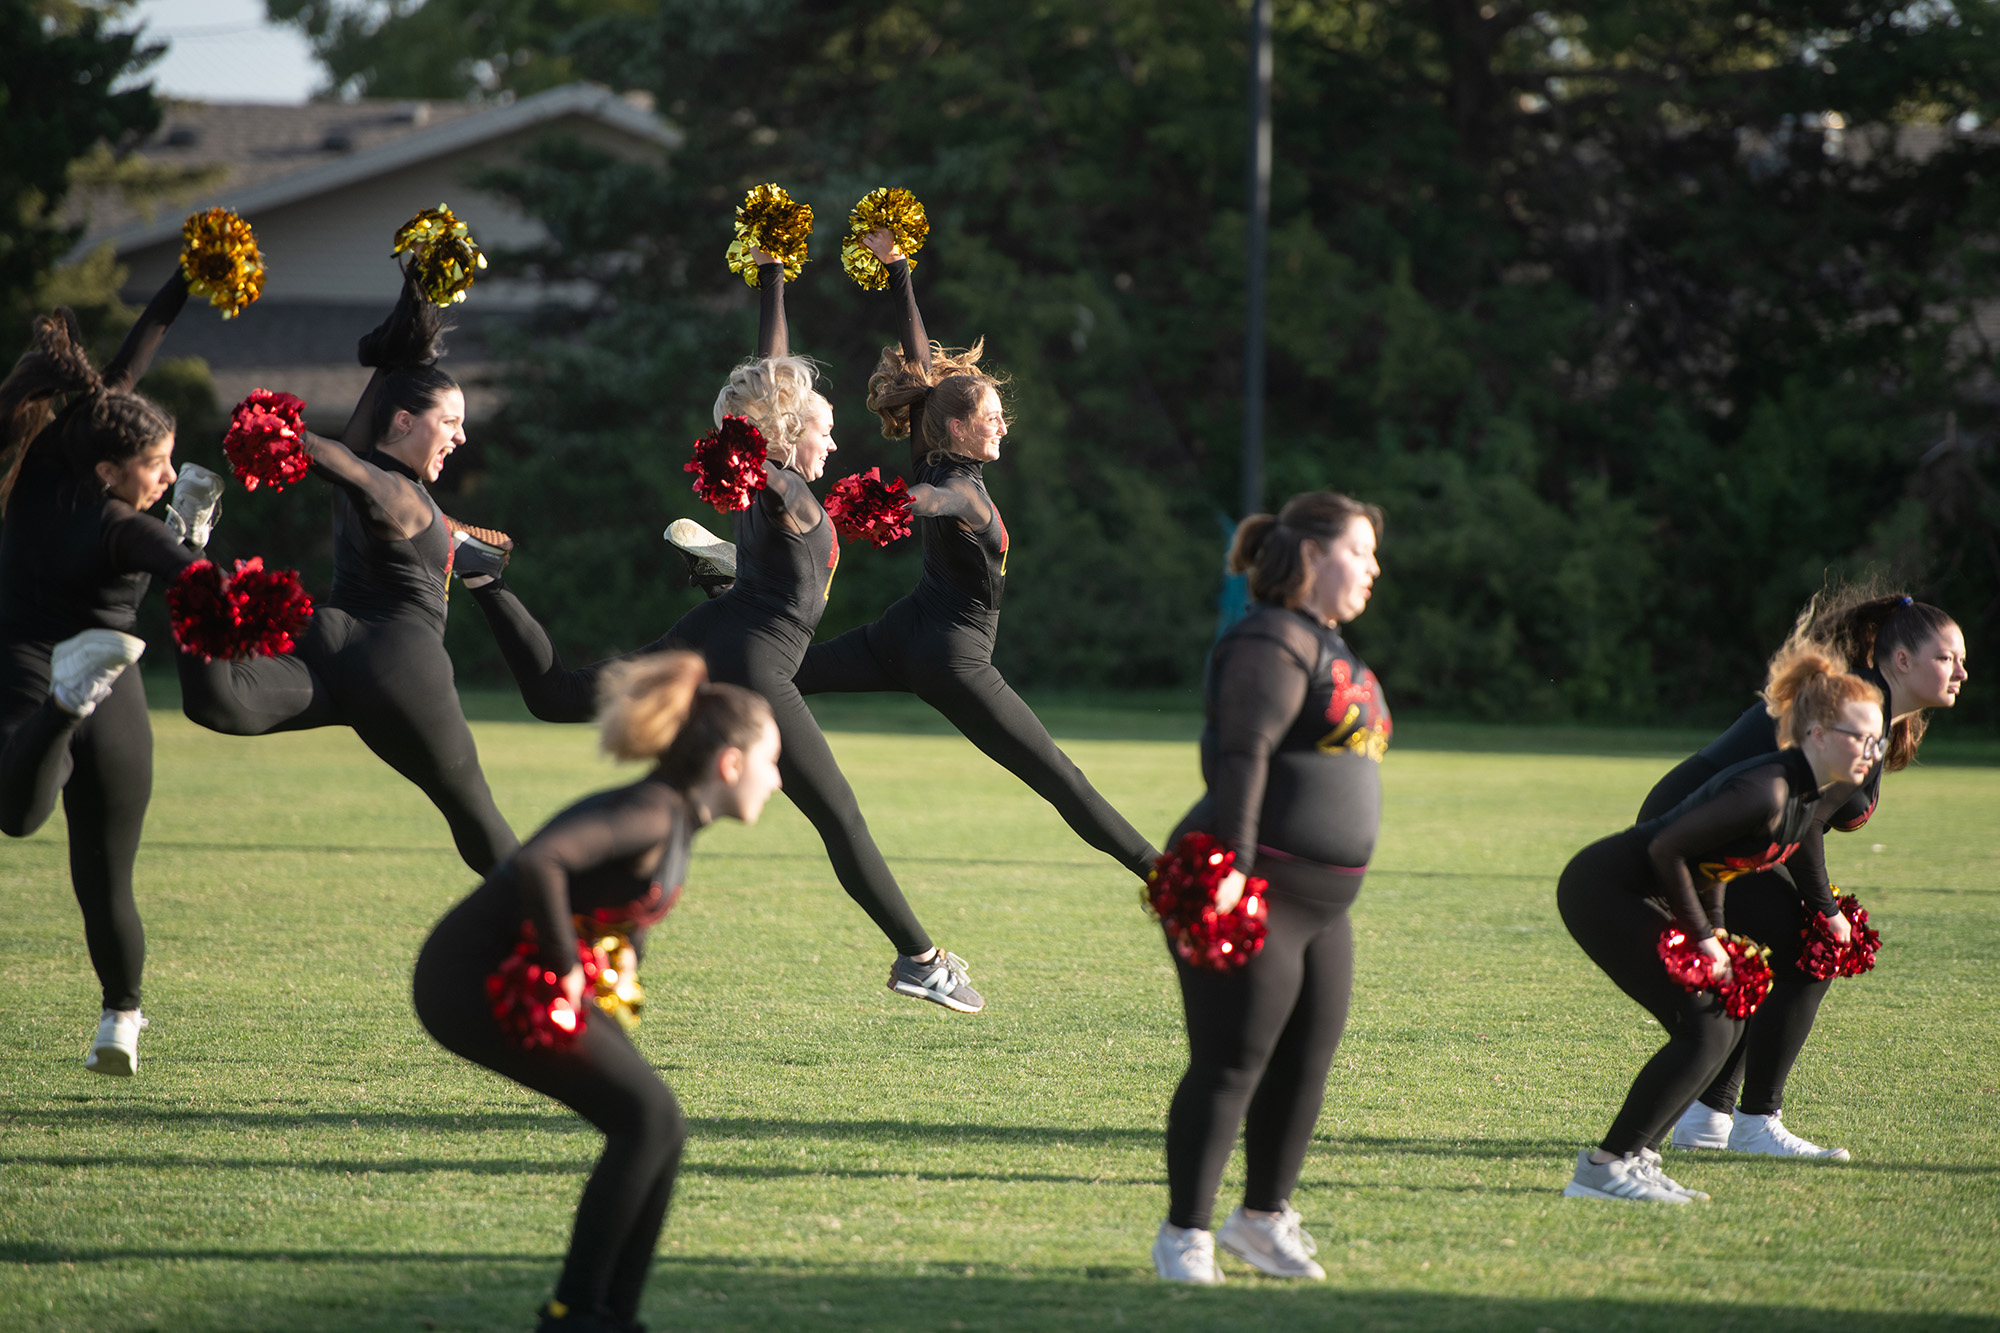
(1297, 1221)
(1653, 1165)
(1270, 1244)
(1767, 1135)
(1626, 1178)
(1702, 1127)
(699, 544)
(83, 669)
(116, 1050)
(196, 504)
(1184, 1254)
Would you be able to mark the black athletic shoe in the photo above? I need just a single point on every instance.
(478, 551)
(559, 1318)
(711, 561)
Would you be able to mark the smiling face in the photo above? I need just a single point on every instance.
(422, 441)
(1342, 572)
(815, 442)
(1929, 677)
(978, 435)
(141, 480)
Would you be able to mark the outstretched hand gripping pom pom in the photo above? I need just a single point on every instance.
(728, 464)
(220, 260)
(1180, 891)
(893, 210)
(772, 221)
(1749, 964)
(443, 256)
(863, 507)
(527, 999)
(262, 443)
(249, 612)
(1822, 957)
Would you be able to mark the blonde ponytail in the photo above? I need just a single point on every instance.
(1809, 684)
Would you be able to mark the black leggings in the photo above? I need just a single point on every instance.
(390, 680)
(949, 666)
(603, 1078)
(743, 646)
(1600, 897)
(103, 767)
(1769, 908)
(1260, 1042)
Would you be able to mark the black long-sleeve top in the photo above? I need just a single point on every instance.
(617, 858)
(1756, 733)
(964, 537)
(1291, 747)
(378, 574)
(71, 557)
(786, 551)
(1750, 817)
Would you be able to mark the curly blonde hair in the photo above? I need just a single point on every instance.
(1808, 683)
(776, 393)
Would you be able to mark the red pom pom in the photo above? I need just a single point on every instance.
(250, 612)
(1181, 892)
(262, 443)
(1749, 964)
(728, 464)
(863, 507)
(1822, 956)
(528, 1001)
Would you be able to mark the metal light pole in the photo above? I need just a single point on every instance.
(1260, 230)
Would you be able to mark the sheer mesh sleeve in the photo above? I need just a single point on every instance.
(1808, 867)
(1746, 809)
(135, 355)
(1261, 683)
(139, 543)
(789, 501)
(393, 505)
(616, 830)
(910, 321)
(773, 339)
(957, 498)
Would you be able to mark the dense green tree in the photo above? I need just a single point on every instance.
(1639, 318)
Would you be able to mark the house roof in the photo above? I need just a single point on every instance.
(277, 155)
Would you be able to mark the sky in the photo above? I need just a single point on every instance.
(224, 51)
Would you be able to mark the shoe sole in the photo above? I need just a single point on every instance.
(916, 992)
(1187, 1281)
(690, 536)
(1823, 1155)
(1263, 1264)
(112, 1062)
(1720, 1145)
(1575, 1190)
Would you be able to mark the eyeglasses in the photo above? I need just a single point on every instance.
(1872, 747)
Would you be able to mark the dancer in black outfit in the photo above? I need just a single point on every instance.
(77, 552)
(374, 657)
(1619, 894)
(755, 633)
(1915, 655)
(616, 859)
(1291, 753)
(937, 643)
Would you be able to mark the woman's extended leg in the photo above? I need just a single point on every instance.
(105, 803)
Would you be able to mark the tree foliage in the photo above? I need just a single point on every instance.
(1638, 318)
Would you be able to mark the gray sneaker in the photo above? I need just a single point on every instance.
(1627, 1179)
(1654, 1168)
(941, 980)
(1269, 1244)
(82, 669)
(711, 561)
(195, 506)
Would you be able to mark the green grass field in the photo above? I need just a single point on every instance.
(297, 1155)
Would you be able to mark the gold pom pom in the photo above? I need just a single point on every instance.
(219, 256)
(772, 221)
(443, 256)
(895, 211)
(617, 990)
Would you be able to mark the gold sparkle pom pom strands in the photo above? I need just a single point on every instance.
(443, 256)
(219, 256)
(895, 211)
(772, 221)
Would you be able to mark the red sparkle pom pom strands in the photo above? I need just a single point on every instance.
(864, 507)
(528, 1000)
(1823, 956)
(1181, 893)
(250, 612)
(1749, 965)
(262, 443)
(728, 464)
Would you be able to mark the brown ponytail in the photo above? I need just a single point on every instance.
(663, 707)
(922, 403)
(1865, 623)
(1267, 548)
(96, 426)
(1808, 684)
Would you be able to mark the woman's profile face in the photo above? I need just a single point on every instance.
(422, 441)
(142, 479)
(1343, 571)
(815, 440)
(756, 776)
(978, 436)
(1929, 677)
(1848, 749)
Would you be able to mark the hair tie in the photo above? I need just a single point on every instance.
(1907, 601)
